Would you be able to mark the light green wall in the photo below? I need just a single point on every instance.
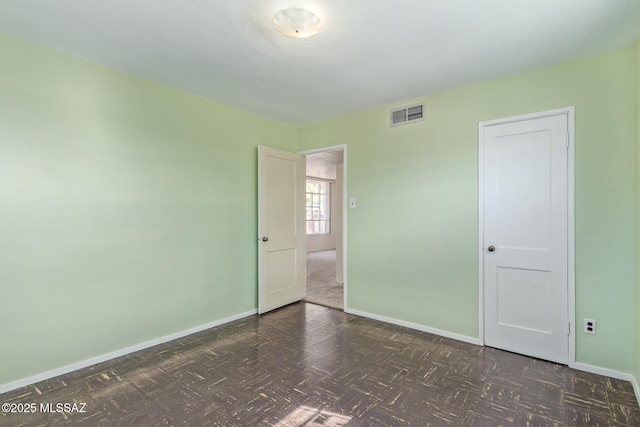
(412, 239)
(637, 290)
(128, 209)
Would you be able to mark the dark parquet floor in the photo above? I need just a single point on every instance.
(307, 365)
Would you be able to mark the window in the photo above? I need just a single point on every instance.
(318, 194)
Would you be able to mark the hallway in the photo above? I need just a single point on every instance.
(322, 288)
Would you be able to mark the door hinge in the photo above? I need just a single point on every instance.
(567, 140)
(568, 327)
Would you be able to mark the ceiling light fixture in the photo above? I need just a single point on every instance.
(295, 22)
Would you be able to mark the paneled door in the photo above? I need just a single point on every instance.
(525, 242)
(281, 228)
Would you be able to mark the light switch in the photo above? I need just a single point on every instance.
(352, 203)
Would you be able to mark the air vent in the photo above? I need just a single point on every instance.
(404, 115)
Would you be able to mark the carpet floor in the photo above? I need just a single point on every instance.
(322, 288)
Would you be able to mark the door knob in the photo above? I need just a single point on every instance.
(491, 248)
(265, 239)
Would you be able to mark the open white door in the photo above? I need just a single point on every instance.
(526, 236)
(281, 228)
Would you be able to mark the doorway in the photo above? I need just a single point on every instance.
(325, 227)
(526, 235)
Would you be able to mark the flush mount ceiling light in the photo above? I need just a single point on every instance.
(298, 23)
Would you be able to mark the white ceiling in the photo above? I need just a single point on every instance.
(323, 165)
(369, 52)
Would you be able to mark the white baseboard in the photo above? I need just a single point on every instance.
(636, 388)
(602, 371)
(415, 326)
(103, 358)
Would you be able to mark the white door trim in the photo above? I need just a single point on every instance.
(343, 148)
(571, 283)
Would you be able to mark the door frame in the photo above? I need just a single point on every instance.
(571, 265)
(343, 148)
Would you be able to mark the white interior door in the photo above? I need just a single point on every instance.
(281, 228)
(525, 241)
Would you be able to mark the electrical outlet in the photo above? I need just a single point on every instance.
(589, 326)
